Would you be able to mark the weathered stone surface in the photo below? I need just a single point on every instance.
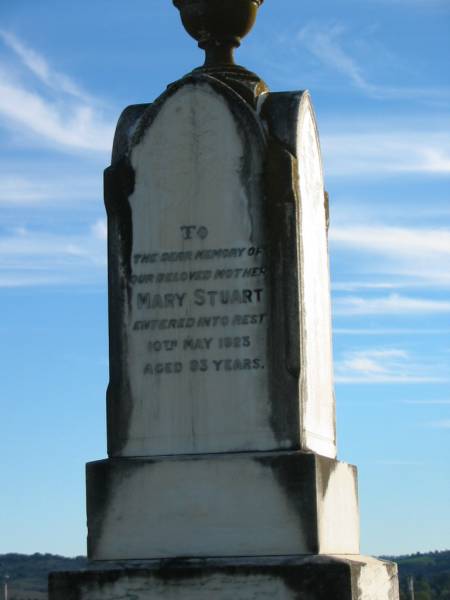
(219, 300)
(222, 505)
(221, 413)
(311, 578)
(291, 121)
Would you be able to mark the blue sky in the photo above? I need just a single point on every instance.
(378, 72)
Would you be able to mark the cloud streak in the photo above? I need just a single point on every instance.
(75, 127)
(386, 152)
(64, 117)
(38, 65)
(100, 230)
(392, 366)
(388, 331)
(442, 424)
(31, 258)
(401, 241)
(19, 191)
(427, 402)
(415, 256)
(394, 304)
(419, 3)
(325, 45)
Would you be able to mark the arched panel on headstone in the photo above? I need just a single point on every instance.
(196, 326)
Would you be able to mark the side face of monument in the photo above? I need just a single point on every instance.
(212, 346)
(291, 120)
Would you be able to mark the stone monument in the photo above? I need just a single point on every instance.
(222, 480)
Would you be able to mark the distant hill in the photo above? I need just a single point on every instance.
(430, 572)
(28, 574)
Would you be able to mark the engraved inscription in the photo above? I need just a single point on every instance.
(188, 231)
(196, 282)
(212, 327)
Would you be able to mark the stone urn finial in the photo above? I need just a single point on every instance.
(218, 25)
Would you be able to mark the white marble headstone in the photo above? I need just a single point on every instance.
(198, 316)
(219, 293)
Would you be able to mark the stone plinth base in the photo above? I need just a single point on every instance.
(262, 504)
(301, 578)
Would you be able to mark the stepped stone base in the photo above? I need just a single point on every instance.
(262, 504)
(298, 578)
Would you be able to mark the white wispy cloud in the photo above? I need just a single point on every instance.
(427, 4)
(70, 126)
(326, 44)
(441, 424)
(353, 286)
(387, 152)
(372, 361)
(64, 116)
(389, 331)
(427, 402)
(400, 463)
(394, 304)
(39, 66)
(374, 148)
(18, 190)
(413, 257)
(31, 258)
(391, 365)
(412, 243)
(100, 229)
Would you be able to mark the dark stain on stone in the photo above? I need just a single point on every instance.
(284, 348)
(306, 578)
(281, 111)
(325, 467)
(319, 581)
(326, 204)
(245, 83)
(99, 487)
(118, 186)
(119, 182)
(125, 126)
(103, 477)
(296, 476)
(355, 573)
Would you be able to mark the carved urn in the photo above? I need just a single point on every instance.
(218, 25)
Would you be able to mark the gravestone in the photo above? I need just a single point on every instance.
(220, 326)
(221, 427)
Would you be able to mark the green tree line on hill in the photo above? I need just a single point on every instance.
(430, 573)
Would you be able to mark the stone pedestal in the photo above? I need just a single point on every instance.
(307, 578)
(273, 504)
